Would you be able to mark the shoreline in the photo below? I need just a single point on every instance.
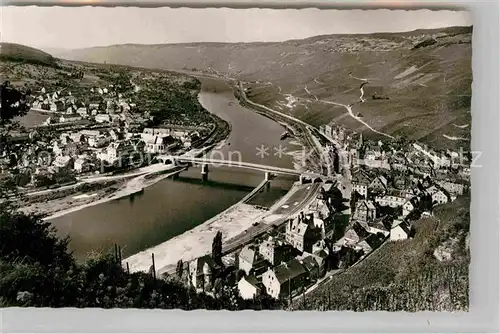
(197, 241)
(128, 188)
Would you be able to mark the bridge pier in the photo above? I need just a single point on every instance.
(204, 172)
(302, 179)
(268, 179)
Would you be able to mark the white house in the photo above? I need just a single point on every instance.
(246, 259)
(77, 137)
(408, 207)
(56, 148)
(82, 111)
(201, 271)
(392, 201)
(187, 143)
(158, 143)
(360, 184)
(365, 211)
(63, 162)
(113, 134)
(101, 118)
(119, 150)
(273, 250)
(400, 230)
(437, 195)
(69, 118)
(249, 287)
(90, 133)
(82, 165)
(284, 279)
(99, 141)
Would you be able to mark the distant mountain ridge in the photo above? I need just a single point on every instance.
(245, 60)
(447, 30)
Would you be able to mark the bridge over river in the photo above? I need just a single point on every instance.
(268, 170)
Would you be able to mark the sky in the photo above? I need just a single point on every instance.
(80, 27)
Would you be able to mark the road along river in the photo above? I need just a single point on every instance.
(170, 208)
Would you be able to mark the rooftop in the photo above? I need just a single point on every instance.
(287, 271)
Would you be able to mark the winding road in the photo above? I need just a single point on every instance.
(349, 110)
(361, 79)
(361, 97)
(349, 107)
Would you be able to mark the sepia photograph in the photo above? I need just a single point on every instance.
(231, 159)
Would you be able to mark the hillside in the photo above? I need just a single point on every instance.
(424, 75)
(17, 52)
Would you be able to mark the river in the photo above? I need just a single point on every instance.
(172, 207)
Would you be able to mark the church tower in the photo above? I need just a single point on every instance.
(360, 142)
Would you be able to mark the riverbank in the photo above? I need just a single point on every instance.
(124, 189)
(56, 203)
(198, 241)
(74, 202)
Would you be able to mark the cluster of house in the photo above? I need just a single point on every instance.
(415, 158)
(279, 263)
(88, 150)
(163, 140)
(110, 106)
(386, 198)
(114, 145)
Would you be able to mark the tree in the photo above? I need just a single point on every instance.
(179, 269)
(43, 180)
(22, 179)
(31, 239)
(14, 103)
(217, 248)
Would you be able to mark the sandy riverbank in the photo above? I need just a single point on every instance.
(81, 200)
(61, 206)
(198, 241)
